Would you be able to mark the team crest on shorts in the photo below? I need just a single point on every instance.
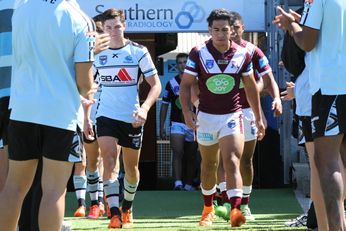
(231, 124)
(103, 59)
(209, 63)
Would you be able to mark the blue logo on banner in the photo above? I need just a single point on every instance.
(190, 12)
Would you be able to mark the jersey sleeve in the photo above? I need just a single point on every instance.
(260, 63)
(146, 63)
(247, 66)
(85, 42)
(192, 63)
(313, 14)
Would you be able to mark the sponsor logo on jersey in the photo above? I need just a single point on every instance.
(222, 61)
(128, 59)
(103, 59)
(209, 63)
(220, 84)
(122, 76)
(205, 136)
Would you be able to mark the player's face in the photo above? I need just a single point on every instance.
(114, 27)
(220, 32)
(238, 30)
(181, 63)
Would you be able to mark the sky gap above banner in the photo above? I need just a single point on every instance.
(178, 15)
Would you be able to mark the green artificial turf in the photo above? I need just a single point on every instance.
(178, 210)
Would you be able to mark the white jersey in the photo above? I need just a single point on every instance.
(118, 72)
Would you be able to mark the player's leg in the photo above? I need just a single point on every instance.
(93, 177)
(58, 158)
(315, 190)
(23, 159)
(177, 140)
(247, 173)
(131, 181)
(3, 165)
(327, 142)
(231, 148)
(55, 175)
(207, 138)
(246, 162)
(190, 149)
(231, 141)
(80, 184)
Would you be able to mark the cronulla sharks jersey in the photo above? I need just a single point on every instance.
(118, 73)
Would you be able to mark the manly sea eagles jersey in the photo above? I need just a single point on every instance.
(118, 74)
(219, 76)
(260, 65)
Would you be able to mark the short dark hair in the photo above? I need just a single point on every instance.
(219, 14)
(112, 13)
(236, 16)
(181, 55)
(99, 18)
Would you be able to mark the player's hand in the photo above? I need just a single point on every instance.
(277, 107)
(261, 131)
(288, 94)
(88, 130)
(102, 42)
(191, 120)
(86, 102)
(284, 18)
(140, 117)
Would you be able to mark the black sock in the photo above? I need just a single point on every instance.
(126, 205)
(81, 202)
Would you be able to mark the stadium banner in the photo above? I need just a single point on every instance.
(177, 15)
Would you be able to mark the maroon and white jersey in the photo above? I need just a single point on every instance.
(260, 65)
(219, 76)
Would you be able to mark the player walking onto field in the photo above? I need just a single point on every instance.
(220, 65)
(120, 117)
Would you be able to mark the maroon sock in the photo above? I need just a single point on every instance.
(235, 202)
(208, 200)
(224, 197)
(245, 200)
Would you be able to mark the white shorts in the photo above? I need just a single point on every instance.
(250, 129)
(212, 127)
(182, 129)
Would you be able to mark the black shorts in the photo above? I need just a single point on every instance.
(127, 135)
(328, 115)
(85, 140)
(306, 130)
(29, 141)
(4, 118)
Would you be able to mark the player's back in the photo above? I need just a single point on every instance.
(45, 49)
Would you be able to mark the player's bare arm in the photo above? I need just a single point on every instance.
(272, 88)
(185, 98)
(253, 98)
(155, 90)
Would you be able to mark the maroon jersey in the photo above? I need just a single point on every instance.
(260, 65)
(219, 76)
